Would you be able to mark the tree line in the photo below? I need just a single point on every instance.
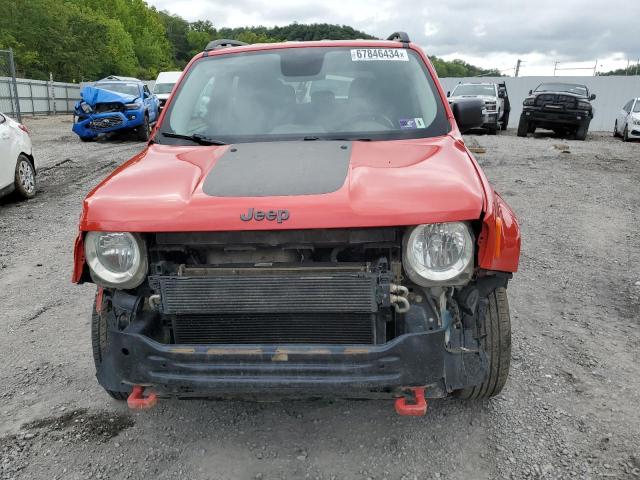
(84, 40)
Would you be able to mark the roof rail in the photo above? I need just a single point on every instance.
(224, 43)
(399, 37)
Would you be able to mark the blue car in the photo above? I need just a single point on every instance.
(115, 104)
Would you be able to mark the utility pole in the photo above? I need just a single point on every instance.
(626, 70)
(518, 67)
(12, 72)
(595, 67)
(555, 67)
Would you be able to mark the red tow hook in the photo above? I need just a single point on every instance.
(136, 400)
(417, 409)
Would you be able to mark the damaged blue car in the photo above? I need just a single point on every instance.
(115, 104)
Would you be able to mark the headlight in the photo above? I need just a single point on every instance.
(133, 106)
(636, 121)
(528, 102)
(86, 108)
(438, 253)
(582, 105)
(116, 259)
(491, 106)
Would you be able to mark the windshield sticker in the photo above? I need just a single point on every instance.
(412, 123)
(383, 54)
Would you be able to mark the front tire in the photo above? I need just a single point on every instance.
(496, 342)
(625, 134)
(523, 127)
(581, 132)
(615, 129)
(144, 130)
(99, 342)
(25, 178)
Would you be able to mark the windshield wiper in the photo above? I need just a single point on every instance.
(337, 139)
(196, 137)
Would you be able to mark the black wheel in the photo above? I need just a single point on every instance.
(86, 139)
(496, 342)
(25, 178)
(492, 130)
(523, 127)
(99, 342)
(615, 129)
(144, 130)
(625, 134)
(581, 132)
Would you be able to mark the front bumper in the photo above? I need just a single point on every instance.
(363, 371)
(99, 123)
(490, 118)
(566, 117)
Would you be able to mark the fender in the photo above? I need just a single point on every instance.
(499, 240)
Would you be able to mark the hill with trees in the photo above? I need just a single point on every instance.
(81, 40)
(630, 70)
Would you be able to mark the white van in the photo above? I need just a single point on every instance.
(164, 85)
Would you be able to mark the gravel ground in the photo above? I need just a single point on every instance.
(569, 410)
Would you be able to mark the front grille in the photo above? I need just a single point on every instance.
(280, 328)
(555, 100)
(105, 123)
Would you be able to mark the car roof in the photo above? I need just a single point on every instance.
(116, 78)
(314, 43)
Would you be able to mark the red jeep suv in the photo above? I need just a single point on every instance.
(305, 221)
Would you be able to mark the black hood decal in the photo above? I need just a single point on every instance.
(268, 169)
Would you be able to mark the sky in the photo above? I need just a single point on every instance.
(488, 33)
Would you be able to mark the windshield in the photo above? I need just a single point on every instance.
(486, 90)
(636, 109)
(161, 88)
(307, 93)
(124, 88)
(563, 87)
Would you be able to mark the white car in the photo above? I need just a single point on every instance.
(164, 84)
(17, 167)
(628, 121)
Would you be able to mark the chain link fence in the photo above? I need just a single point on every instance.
(22, 96)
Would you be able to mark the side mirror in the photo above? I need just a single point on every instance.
(448, 94)
(145, 95)
(468, 113)
(592, 97)
(2, 119)
(530, 92)
(502, 94)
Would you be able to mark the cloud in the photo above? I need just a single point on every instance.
(567, 31)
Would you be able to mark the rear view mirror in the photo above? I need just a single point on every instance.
(592, 97)
(468, 113)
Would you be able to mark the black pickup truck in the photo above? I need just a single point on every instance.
(564, 108)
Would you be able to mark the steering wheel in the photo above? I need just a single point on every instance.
(370, 116)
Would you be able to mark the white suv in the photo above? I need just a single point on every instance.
(17, 167)
(496, 102)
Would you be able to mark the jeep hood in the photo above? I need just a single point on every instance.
(320, 184)
(94, 95)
